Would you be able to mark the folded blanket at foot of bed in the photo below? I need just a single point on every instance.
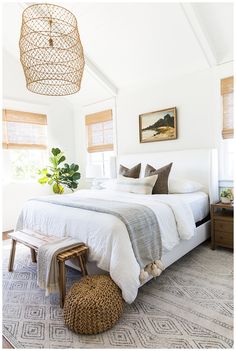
(141, 224)
(47, 268)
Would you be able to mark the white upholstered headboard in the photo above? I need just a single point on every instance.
(200, 165)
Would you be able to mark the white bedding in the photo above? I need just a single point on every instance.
(106, 235)
(198, 201)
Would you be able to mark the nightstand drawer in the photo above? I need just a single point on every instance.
(224, 226)
(224, 238)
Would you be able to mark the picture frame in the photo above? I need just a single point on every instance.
(158, 125)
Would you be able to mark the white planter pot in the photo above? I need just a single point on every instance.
(225, 200)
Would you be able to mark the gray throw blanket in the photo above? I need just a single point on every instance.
(47, 268)
(140, 221)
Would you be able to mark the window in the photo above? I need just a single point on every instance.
(227, 92)
(99, 131)
(101, 165)
(227, 142)
(24, 130)
(100, 158)
(24, 144)
(22, 164)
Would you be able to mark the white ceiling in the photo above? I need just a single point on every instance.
(216, 20)
(134, 43)
(137, 43)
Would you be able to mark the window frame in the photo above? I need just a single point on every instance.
(227, 93)
(226, 141)
(25, 118)
(99, 118)
(10, 114)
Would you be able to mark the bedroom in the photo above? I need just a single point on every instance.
(156, 89)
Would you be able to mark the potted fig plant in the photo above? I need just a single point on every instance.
(59, 175)
(226, 196)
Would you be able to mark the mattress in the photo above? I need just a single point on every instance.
(199, 203)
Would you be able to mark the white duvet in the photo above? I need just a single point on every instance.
(106, 235)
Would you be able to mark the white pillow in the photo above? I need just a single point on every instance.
(182, 186)
(134, 185)
(108, 184)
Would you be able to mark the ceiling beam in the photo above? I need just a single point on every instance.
(90, 66)
(199, 34)
(95, 72)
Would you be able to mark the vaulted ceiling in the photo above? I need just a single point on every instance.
(130, 44)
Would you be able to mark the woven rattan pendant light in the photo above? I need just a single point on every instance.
(51, 52)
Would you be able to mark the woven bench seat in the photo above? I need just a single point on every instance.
(34, 240)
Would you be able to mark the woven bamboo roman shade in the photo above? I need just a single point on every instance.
(227, 92)
(24, 130)
(99, 131)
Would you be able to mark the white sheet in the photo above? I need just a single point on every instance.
(198, 201)
(106, 235)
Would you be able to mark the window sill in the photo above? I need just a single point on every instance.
(226, 183)
(100, 178)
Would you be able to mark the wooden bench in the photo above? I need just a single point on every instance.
(34, 240)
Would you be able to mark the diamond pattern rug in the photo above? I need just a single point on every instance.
(189, 306)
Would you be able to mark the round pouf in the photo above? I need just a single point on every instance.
(93, 305)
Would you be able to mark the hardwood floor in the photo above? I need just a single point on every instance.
(5, 343)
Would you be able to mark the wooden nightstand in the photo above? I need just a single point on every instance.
(222, 225)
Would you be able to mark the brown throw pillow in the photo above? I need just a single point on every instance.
(130, 172)
(161, 185)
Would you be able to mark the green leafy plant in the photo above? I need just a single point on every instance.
(227, 193)
(59, 175)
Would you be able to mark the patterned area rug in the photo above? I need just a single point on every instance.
(189, 306)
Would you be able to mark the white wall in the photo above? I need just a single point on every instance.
(80, 143)
(198, 101)
(199, 113)
(196, 96)
(60, 134)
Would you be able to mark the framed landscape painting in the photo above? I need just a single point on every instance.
(158, 125)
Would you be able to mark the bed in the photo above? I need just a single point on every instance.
(106, 235)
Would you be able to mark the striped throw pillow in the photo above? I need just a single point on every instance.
(137, 186)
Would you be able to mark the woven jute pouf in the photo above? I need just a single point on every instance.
(93, 305)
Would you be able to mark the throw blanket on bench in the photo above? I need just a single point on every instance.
(47, 267)
(141, 224)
